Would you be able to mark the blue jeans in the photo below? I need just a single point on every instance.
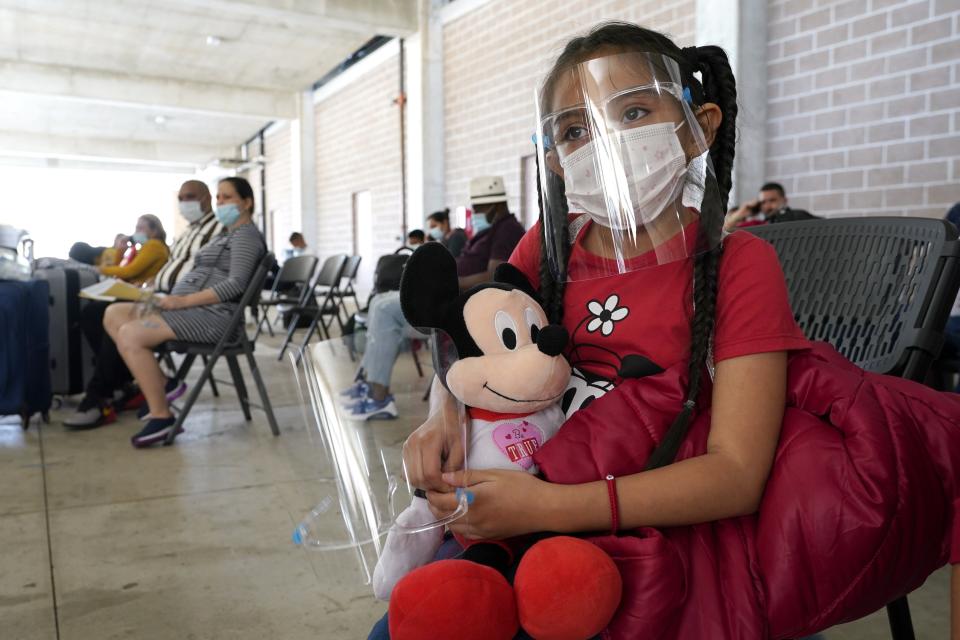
(387, 330)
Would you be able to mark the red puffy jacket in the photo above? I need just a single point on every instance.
(858, 509)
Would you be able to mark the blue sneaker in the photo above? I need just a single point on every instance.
(357, 391)
(154, 431)
(369, 409)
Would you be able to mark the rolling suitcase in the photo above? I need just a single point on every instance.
(24, 349)
(71, 357)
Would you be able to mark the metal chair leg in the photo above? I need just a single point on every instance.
(318, 319)
(290, 330)
(239, 385)
(184, 369)
(901, 625)
(191, 398)
(213, 383)
(416, 361)
(264, 398)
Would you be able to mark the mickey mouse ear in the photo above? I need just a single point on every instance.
(428, 285)
(506, 273)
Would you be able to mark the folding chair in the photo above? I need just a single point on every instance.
(880, 291)
(233, 344)
(288, 287)
(325, 287)
(348, 290)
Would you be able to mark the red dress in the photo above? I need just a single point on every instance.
(861, 504)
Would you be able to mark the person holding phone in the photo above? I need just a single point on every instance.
(769, 207)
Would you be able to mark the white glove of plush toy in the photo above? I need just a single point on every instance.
(404, 552)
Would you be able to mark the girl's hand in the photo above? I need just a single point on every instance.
(436, 445)
(503, 503)
(170, 303)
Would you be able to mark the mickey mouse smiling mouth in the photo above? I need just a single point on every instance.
(495, 392)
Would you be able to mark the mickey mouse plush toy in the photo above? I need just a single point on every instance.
(510, 373)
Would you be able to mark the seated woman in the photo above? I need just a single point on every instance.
(151, 256)
(198, 309)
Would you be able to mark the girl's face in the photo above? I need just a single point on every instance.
(226, 193)
(614, 93)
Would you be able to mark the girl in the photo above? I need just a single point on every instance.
(198, 309)
(636, 156)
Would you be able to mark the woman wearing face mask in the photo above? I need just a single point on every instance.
(439, 229)
(198, 309)
(150, 257)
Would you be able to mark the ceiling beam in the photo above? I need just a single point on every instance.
(164, 95)
(29, 145)
(366, 17)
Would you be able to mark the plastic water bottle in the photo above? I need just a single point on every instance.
(307, 533)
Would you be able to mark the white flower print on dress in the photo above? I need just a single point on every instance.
(605, 315)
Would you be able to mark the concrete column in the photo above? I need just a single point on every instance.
(303, 139)
(424, 80)
(740, 27)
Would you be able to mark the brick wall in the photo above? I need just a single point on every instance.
(863, 102)
(281, 219)
(358, 149)
(493, 57)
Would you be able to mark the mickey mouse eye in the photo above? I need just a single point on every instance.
(506, 330)
(534, 322)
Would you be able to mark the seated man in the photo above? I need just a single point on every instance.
(497, 232)
(438, 226)
(298, 246)
(110, 374)
(771, 207)
(416, 238)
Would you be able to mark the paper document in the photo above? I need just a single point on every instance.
(112, 289)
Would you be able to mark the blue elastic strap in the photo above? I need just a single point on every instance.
(686, 95)
(547, 143)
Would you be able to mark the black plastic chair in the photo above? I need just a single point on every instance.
(288, 287)
(233, 344)
(880, 291)
(325, 287)
(348, 290)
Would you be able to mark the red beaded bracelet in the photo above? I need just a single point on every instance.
(614, 510)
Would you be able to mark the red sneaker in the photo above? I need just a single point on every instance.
(133, 402)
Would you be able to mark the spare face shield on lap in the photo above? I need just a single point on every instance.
(621, 150)
(357, 479)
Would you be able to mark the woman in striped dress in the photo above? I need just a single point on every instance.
(197, 310)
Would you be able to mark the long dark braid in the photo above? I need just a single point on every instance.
(718, 86)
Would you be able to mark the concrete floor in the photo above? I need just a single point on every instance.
(100, 541)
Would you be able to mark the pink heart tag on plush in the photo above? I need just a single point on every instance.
(519, 441)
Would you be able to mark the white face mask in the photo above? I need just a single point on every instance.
(191, 210)
(644, 174)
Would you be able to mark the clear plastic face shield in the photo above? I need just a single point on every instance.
(624, 167)
(359, 502)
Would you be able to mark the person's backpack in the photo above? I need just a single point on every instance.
(386, 276)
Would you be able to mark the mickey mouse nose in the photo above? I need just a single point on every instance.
(552, 339)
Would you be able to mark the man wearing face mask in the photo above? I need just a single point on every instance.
(109, 387)
(195, 206)
(496, 233)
